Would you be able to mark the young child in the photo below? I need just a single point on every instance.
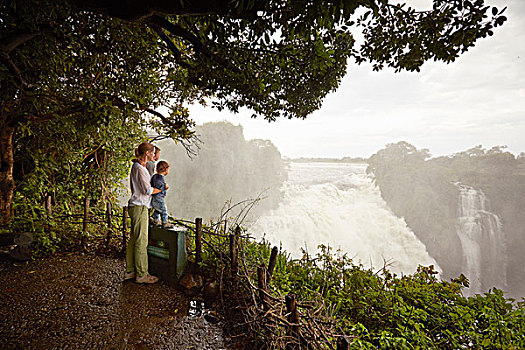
(157, 200)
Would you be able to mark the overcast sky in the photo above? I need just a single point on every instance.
(477, 100)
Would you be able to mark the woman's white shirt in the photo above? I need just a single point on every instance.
(141, 189)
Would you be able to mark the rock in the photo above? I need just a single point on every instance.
(21, 252)
(23, 238)
(24, 246)
(191, 284)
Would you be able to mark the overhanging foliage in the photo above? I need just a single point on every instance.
(91, 59)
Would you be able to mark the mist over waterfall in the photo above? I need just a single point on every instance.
(227, 170)
(482, 240)
(337, 204)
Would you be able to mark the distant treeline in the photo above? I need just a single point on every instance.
(421, 189)
(328, 160)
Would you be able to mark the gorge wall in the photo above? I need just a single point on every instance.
(431, 194)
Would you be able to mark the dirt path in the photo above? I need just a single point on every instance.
(80, 302)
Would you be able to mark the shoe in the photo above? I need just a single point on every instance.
(129, 275)
(167, 225)
(147, 279)
(158, 223)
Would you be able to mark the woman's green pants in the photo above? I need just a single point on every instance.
(137, 248)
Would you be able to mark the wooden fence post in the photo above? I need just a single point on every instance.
(108, 221)
(233, 250)
(271, 264)
(124, 227)
(85, 224)
(238, 231)
(49, 208)
(261, 283)
(293, 316)
(198, 240)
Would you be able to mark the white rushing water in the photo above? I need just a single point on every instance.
(337, 204)
(482, 240)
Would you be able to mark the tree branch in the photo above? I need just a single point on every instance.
(12, 68)
(9, 43)
(76, 108)
(161, 117)
(96, 77)
(198, 45)
(191, 144)
(176, 52)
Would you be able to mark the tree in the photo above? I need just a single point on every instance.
(92, 75)
(395, 155)
(278, 58)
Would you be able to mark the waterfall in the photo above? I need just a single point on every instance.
(482, 240)
(338, 205)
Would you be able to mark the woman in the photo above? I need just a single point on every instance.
(138, 208)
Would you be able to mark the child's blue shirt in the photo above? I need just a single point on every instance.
(157, 181)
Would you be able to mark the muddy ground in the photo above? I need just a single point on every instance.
(79, 301)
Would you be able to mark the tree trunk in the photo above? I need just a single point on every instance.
(7, 183)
